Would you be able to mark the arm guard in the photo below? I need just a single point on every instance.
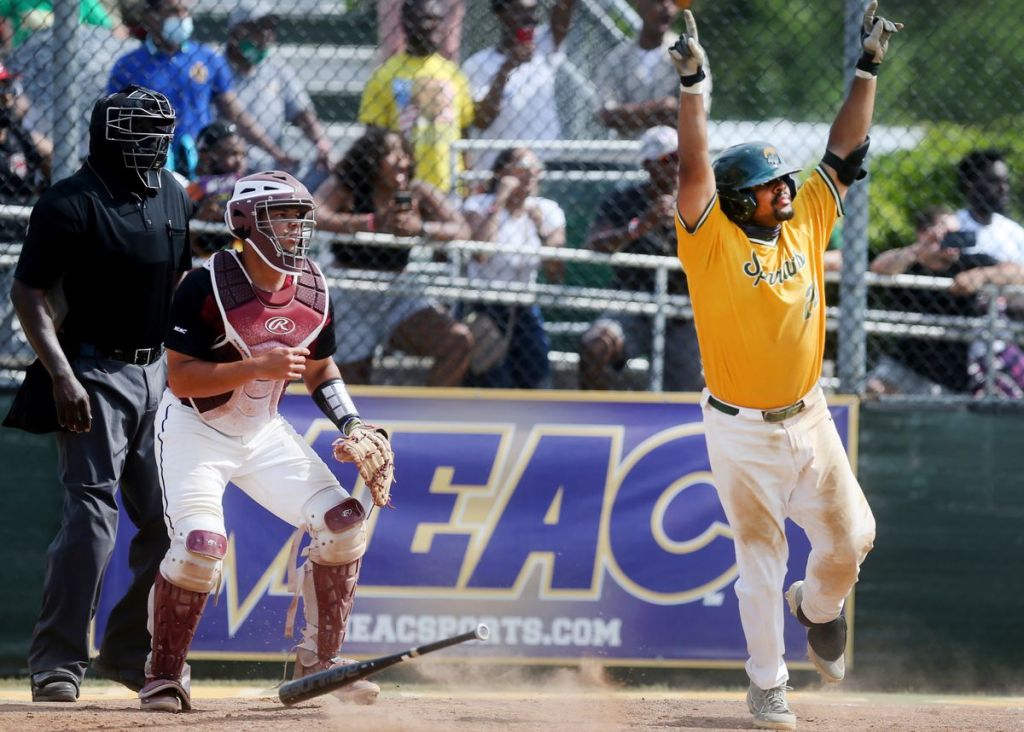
(849, 169)
(333, 399)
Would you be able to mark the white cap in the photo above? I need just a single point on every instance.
(657, 142)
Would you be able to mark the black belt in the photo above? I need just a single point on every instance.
(774, 415)
(137, 356)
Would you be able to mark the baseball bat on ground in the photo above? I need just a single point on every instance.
(323, 682)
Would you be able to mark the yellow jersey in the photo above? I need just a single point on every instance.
(427, 99)
(759, 306)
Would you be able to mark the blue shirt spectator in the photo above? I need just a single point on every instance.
(191, 76)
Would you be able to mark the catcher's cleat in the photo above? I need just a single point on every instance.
(358, 692)
(54, 686)
(770, 707)
(167, 695)
(826, 642)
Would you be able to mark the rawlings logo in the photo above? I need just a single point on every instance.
(280, 325)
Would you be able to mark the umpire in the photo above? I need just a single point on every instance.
(103, 253)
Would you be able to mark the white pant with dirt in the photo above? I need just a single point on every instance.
(765, 472)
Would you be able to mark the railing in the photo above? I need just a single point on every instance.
(446, 282)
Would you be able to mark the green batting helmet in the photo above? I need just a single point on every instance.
(741, 167)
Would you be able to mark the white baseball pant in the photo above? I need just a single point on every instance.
(766, 472)
(274, 466)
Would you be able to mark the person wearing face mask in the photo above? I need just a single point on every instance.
(513, 82)
(271, 90)
(193, 77)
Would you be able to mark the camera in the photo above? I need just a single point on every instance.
(959, 240)
(403, 198)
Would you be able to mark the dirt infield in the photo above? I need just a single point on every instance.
(423, 709)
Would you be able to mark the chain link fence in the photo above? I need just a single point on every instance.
(492, 180)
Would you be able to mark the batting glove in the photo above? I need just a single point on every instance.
(875, 34)
(688, 56)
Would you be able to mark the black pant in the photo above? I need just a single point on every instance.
(116, 452)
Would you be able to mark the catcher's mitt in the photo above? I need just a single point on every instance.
(368, 447)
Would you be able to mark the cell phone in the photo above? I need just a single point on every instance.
(959, 240)
(524, 35)
(403, 198)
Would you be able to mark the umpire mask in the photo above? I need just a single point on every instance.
(129, 134)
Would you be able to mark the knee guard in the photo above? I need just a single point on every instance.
(336, 526)
(193, 561)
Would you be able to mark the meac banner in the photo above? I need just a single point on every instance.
(574, 524)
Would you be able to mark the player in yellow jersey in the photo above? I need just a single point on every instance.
(752, 249)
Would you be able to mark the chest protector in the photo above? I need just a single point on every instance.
(293, 318)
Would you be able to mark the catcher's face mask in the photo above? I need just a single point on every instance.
(273, 213)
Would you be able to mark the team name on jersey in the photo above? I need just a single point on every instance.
(789, 268)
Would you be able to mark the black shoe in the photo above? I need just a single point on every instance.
(133, 678)
(54, 686)
(826, 642)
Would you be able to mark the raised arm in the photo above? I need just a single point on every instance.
(847, 140)
(696, 179)
(561, 20)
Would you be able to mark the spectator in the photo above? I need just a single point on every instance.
(271, 91)
(21, 18)
(34, 63)
(24, 155)
(640, 219)
(976, 246)
(371, 190)
(915, 365)
(423, 95)
(222, 161)
(191, 75)
(513, 83)
(635, 87)
(510, 212)
(392, 39)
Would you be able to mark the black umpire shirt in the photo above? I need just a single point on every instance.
(119, 254)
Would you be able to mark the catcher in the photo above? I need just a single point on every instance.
(240, 329)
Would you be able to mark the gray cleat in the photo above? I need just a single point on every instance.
(826, 642)
(770, 708)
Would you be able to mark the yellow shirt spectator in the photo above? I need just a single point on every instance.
(758, 305)
(427, 99)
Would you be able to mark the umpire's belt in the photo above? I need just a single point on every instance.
(137, 356)
(772, 415)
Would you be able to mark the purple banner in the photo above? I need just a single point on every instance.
(573, 524)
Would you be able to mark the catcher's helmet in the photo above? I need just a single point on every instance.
(132, 129)
(248, 216)
(741, 167)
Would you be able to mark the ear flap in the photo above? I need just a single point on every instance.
(738, 206)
